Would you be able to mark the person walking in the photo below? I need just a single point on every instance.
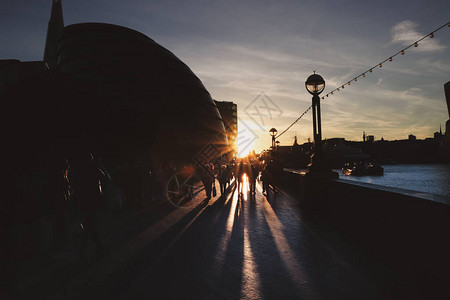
(239, 176)
(208, 179)
(58, 191)
(229, 174)
(252, 178)
(265, 179)
(88, 194)
(223, 179)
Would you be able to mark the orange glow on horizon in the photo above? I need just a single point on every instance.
(245, 140)
(243, 154)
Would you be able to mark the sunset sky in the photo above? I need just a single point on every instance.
(258, 54)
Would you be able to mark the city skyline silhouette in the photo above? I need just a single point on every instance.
(242, 51)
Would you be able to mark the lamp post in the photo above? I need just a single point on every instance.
(277, 143)
(273, 132)
(315, 85)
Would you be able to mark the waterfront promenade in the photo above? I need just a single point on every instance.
(233, 247)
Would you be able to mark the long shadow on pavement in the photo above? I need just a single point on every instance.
(339, 266)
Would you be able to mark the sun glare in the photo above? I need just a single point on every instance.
(242, 154)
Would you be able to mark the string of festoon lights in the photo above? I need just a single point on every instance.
(367, 72)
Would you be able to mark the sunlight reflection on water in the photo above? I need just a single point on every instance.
(434, 179)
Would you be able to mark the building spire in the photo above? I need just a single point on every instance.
(54, 31)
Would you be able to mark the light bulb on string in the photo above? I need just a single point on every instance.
(380, 65)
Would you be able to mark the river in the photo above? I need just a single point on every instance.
(434, 179)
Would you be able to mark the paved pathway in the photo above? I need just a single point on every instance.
(239, 247)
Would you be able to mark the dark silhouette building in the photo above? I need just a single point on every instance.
(110, 89)
(54, 31)
(101, 89)
(445, 138)
(228, 111)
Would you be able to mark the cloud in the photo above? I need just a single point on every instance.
(405, 33)
(401, 98)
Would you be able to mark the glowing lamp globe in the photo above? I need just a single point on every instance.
(273, 132)
(315, 84)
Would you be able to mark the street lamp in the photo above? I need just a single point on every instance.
(277, 143)
(273, 132)
(315, 85)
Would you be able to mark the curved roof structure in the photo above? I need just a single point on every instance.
(126, 88)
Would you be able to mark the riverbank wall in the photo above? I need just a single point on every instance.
(406, 230)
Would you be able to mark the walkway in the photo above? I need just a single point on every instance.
(238, 247)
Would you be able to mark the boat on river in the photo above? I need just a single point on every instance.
(362, 169)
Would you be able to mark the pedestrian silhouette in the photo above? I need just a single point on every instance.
(239, 175)
(88, 196)
(223, 179)
(58, 191)
(208, 179)
(254, 172)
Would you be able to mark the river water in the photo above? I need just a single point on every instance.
(434, 179)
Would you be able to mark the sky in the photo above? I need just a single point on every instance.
(258, 54)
